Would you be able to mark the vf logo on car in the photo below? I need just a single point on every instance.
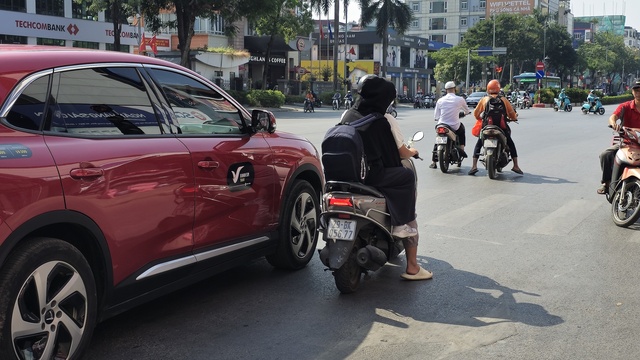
(240, 176)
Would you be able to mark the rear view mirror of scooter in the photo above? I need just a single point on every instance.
(419, 135)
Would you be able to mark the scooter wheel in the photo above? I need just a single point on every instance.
(601, 111)
(348, 276)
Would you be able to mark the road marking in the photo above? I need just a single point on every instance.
(564, 219)
(474, 211)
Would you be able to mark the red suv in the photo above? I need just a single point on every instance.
(125, 177)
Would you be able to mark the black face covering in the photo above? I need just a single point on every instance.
(375, 96)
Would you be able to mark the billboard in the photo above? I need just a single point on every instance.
(497, 7)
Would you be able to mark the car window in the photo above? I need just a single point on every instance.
(198, 109)
(103, 102)
(477, 94)
(27, 112)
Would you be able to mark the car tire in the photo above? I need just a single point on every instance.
(298, 234)
(56, 272)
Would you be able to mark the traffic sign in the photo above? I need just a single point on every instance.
(539, 66)
(539, 74)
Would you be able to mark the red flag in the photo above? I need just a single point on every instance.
(352, 51)
(143, 46)
(154, 45)
(321, 32)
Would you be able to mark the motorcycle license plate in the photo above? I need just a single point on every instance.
(491, 143)
(341, 229)
(441, 140)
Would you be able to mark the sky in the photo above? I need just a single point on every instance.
(630, 8)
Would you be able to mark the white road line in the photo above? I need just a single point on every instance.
(474, 211)
(564, 219)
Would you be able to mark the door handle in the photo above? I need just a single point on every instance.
(208, 164)
(86, 173)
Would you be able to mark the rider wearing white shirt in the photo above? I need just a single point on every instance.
(447, 112)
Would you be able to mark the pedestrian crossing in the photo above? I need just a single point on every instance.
(563, 220)
(474, 211)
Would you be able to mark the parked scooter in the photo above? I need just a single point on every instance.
(392, 110)
(495, 151)
(419, 102)
(595, 109)
(447, 149)
(565, 105)
(624, 193)
(356, 226)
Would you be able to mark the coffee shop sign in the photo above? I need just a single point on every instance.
(272, 60)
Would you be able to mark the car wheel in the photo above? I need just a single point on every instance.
(48, 303)
(298, 235)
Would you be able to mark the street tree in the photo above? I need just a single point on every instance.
(451, 64)
(283, 19)
(118, 11)
(388, 14)
(322, 6)
(186, 12)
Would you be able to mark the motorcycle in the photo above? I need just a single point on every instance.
(495, 151)
(308, 107)
(392, 110)
(348, 103)
(336, 103)
(447, 149)
(419, 102)
(596, 109)
(566, 105)
(356, 227)
(523, 102)
(624, 193)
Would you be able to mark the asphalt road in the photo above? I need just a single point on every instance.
(525, 267)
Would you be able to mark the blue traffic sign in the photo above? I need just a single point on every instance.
(539, 74)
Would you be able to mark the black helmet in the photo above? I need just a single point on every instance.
(363, 79)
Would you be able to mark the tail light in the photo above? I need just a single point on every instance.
(442, 130)
(340, 202)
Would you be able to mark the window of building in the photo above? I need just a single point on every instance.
(415, 6)
(483, 4)
(437, 24)
(405, 57)
(12, 39)
(461, 37)
(86, 44)
(217, 25)
(463, 5)
(415, 24)
(50, 7)
(437, 7)
(481, 18)
(440, 38)
(109, 18)
(54, 42)
(577, 36)
(463, 21)
(103, 102)
(82, 11)
(365, 51)
(123, 48)
(14, 5)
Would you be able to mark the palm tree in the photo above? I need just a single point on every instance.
(323, 6)
(388, 14)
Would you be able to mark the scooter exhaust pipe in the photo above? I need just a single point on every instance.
(371, 258)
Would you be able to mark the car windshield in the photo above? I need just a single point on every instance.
(477, 94)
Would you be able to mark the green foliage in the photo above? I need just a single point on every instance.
(265, 98)
(239, 95)
(616, 99)
(294, 99)
(547, 96)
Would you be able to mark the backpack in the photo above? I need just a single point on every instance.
(343, 157)
(495, 113)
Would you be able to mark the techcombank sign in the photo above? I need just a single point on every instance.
(54, 27)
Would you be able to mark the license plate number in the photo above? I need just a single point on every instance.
(341, 229)
(491, 143)
(441, 140)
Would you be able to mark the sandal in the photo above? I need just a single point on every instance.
(473, 171)
(602, 189)
(517, 171)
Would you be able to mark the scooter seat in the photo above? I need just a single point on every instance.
(354, 187)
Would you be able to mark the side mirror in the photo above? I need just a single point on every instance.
(417, 136)
(262, 120)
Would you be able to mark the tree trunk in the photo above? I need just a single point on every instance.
(385, 53)
(265, 73)
(185, 21)
(336, 28)
(117, 28)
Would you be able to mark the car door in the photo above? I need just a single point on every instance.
(120, 165)
(234, 176)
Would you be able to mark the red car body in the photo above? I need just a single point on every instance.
(135, 177)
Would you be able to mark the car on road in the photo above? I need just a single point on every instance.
(126, 177)
(474, 98)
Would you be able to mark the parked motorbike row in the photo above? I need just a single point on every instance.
(421, 101)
